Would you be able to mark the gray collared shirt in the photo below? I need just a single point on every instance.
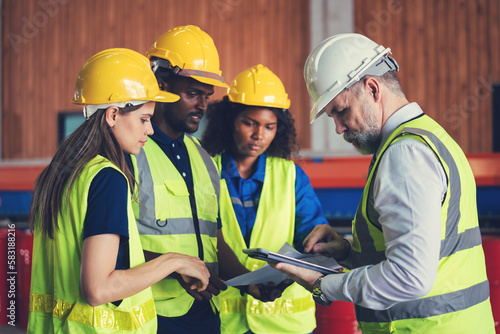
(408, 190)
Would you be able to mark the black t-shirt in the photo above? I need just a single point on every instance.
(107, 211)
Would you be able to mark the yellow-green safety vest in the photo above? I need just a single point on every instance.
(165, 215)
(56, 303)
(459, 300)
(274, 225)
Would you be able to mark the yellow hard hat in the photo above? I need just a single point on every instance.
(192, 51)
(118, 75)
(259, 86)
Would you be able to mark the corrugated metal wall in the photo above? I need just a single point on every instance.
(449, 57)
(44, 43)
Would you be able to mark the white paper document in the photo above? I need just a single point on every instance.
(269, 274)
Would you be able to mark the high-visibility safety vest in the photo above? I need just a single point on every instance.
(459, 300)
(274, 225)
(169, 219)
(56, 303)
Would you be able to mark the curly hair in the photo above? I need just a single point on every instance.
(218, 136)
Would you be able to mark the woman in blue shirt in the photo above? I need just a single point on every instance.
(266, 200)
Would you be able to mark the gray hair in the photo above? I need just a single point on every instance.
(388, 79)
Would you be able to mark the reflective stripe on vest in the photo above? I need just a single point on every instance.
(56, 303)
(453, 241)
(147, 212)
(455, 289)
(279, 306)
(165, 215)
(430, 306)
(94, 316)
(274, 225)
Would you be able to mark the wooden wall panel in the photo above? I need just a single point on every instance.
(45, 42)
(448, 51)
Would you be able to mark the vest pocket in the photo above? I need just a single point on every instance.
(207, 206)
(172, 200)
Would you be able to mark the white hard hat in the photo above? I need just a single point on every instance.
(339, 62)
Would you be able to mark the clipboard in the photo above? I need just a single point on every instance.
(268, 256)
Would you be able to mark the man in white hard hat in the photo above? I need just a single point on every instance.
(417, 263)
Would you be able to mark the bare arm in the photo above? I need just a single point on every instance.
(100, 283)
(229, 265)
(215, 284)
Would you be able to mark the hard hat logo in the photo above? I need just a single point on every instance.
(339, 62)
(190, 52)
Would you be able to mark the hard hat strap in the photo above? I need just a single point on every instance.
(385, 64)
(382, 66)
(188, 73)
(163, 64)
(90, 109)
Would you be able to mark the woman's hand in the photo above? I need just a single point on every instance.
(192, 270)
(196, 287)
(101, 283)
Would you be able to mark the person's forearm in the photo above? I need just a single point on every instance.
(229, 265)
(121, 284)
(100, 283)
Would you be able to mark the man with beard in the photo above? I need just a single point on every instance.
(179, 185)
(416, 259)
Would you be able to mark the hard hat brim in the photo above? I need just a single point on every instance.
(209, 81)
(165, 97)
(161, 96)
(283, 105)
(318, 108)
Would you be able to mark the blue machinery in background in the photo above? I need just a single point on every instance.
(338, 182)
(340, 204)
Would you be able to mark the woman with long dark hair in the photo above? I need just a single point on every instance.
(89, 274)
(266, 200)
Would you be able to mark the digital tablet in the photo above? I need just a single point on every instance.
(268, 256)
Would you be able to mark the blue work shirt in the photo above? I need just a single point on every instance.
(308, 210)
